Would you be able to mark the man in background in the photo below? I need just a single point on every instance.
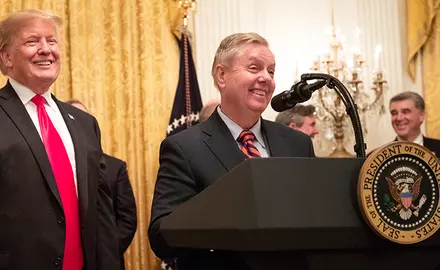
(407, 111)
(55, 208)
(300, 117)
(208, 109)
(124, 204)
(191, 160)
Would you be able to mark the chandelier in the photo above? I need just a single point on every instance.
(350, 70)
(185, 6)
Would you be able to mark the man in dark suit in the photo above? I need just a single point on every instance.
(243, 71)
(407, 115)
(124, 203)
(55, 205)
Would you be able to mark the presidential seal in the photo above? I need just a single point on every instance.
(398, 192)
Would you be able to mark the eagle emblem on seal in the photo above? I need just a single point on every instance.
(404, 186)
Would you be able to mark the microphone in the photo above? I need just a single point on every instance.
(299, 92)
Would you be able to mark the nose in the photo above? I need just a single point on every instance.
(262, 79)
(44, 47)
(399, 117)
(265, 76)
(316, 131)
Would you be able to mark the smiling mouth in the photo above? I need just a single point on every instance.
(400, 126)
(259, 92)
(44, 63)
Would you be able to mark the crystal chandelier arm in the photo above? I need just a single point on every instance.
(325, 106)
(360, 146)
(378, 88)
(351, 107)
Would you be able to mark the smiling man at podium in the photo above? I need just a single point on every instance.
(243, 71)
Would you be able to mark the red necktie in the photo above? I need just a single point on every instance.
(63, 173)
(246, 138)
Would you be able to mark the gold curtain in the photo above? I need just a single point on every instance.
(424, 36)
(121, 59)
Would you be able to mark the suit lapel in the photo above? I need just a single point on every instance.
(80, 157)
(275, 140)
(432, 145)
(221, 143)
(14, 108)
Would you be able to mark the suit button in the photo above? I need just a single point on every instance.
(57, 261)
(61, 220)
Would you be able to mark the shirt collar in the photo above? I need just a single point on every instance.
(25, 94)
(236, 129)
(418, 139)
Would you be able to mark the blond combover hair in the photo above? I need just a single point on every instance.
(10, 26)
(230, 47)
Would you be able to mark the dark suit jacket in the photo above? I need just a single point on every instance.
(124, 204)
(32, 227)
(192, 160)
(433, 145)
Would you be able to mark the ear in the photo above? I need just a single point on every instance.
(220, 76)
(6, 60)
(292, 125)
(422, 116)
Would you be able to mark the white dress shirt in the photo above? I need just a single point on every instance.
(236, 130)
(418, 139)
(25, 95)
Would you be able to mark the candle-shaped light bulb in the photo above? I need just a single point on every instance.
(357, 35)
(350, 63)
(296, 72)
(356, 56)
(378, 58)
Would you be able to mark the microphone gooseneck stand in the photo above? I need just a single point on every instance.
(351, 108)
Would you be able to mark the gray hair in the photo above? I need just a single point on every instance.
(230, 47)
(295, 115)
(419, 103)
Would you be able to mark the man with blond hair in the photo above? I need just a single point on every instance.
(55, 201)
(190, 161)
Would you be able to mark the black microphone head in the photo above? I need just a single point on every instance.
(298, 85)
(319, 84)
(279, 103)
(302, 92)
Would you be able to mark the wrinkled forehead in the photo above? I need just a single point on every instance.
(257, 52)
(250, 52)
(38, 26)
(34, 27)
(403, 104)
